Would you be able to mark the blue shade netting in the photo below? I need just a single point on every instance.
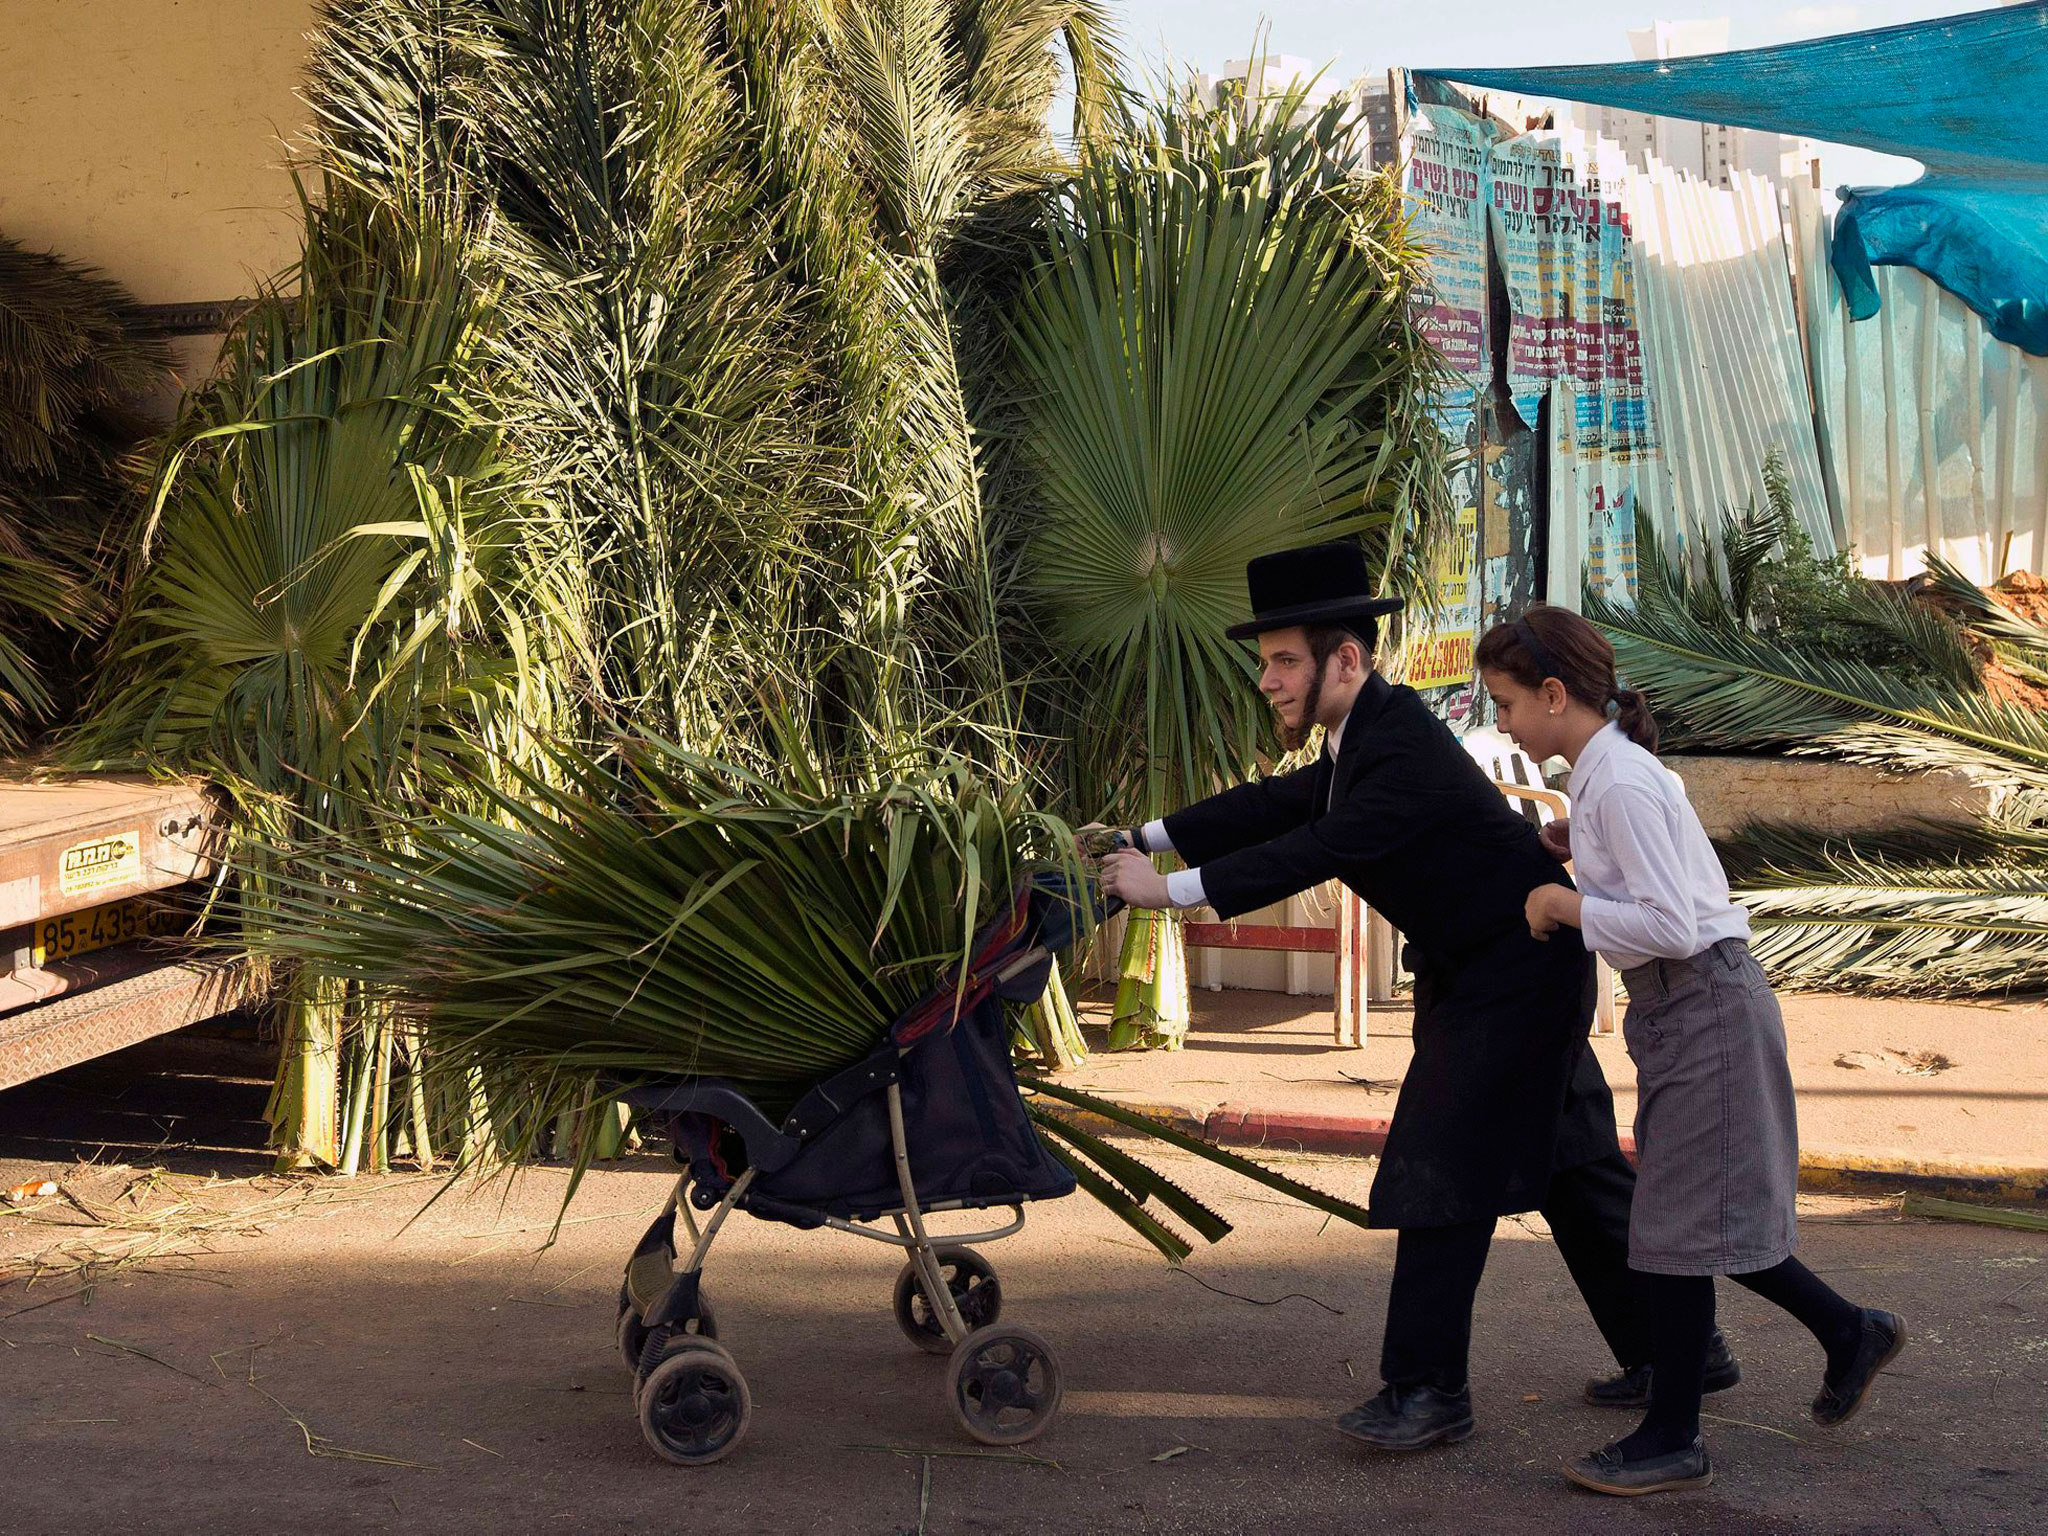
(1962, 95)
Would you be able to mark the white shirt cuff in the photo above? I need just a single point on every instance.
(1156, 840)
(1183, 886)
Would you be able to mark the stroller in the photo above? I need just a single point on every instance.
(931, 1121)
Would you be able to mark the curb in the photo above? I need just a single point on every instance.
(1821, 1171)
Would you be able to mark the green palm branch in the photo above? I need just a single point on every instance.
(1724, 688)
(1947, 909)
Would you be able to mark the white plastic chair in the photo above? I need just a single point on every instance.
(1516, 775)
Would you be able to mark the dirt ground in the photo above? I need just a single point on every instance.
(272, 1355)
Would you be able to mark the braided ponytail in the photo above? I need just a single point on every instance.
(1632, 713)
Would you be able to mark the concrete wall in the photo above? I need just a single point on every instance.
(143, 137)
(1837, 797)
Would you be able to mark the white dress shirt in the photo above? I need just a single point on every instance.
(1184, 886)
(1654, 888)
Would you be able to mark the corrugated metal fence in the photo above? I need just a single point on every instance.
(1931, 430)
(1722, 337)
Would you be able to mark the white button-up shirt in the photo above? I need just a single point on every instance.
(1654, 888)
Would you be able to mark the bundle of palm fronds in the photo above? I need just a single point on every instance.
(666, 914)
(76, 362)
(663, 913)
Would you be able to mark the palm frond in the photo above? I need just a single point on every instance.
(1211, 367)
(1955, 908)
(2017, 640)
(1722, 688)
(1748, 537)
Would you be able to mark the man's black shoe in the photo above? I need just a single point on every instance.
(1606, 1472)
(1631, 1389)
(1884, 1335)
(1410, 1418)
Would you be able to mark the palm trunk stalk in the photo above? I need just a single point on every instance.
(1152, 988)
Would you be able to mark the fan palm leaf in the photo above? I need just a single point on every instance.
(1202, 356)
(1212, 361)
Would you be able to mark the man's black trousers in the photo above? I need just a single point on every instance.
(1437, 1270)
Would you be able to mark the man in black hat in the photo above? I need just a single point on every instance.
(1503, 1108)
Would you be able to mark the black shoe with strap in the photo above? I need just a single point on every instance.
(1608, 1471)
(1884, 1335)
(1631, 1388)
(1410, 1418)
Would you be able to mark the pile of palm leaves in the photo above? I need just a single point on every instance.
(1953, 908)
(663, 912)
(74, 359)
(617, 392)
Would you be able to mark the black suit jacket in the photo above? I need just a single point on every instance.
(1503, 1090)
(1413, 826)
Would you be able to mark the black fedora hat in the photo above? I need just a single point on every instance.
(1322, 584)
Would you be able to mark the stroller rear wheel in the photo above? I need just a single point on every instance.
(632, 1333)
(694, 1406)
(1003, 1385)
(976, 1292)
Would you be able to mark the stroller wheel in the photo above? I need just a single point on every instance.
(632, 1333)
(976, 1292)
(694, 1406)
(1003, 1385)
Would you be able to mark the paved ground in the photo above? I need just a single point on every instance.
(1988, 1105)
(165, 1397)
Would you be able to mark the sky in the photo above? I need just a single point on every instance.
(1354, 36)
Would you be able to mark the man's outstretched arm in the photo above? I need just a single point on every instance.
(1374, 820)
(1241, 817)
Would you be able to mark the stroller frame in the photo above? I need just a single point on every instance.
(910, 1233)
(1003, 1382)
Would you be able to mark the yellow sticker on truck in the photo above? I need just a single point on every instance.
(103, 862)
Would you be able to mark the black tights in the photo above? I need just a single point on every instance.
(1682, 1326)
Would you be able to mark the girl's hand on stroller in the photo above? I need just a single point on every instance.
(1129, 876)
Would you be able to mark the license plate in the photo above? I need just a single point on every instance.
(80, 933)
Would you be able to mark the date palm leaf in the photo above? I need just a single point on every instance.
(2017, 640)
(1726, 688)
(1948, 909)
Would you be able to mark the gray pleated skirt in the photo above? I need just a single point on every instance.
(1717, 1131)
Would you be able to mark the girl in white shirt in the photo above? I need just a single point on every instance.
(1716, 1130)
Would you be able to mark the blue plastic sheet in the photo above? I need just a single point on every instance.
(1961, 95)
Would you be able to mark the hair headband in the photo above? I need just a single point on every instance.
(1546, 663)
